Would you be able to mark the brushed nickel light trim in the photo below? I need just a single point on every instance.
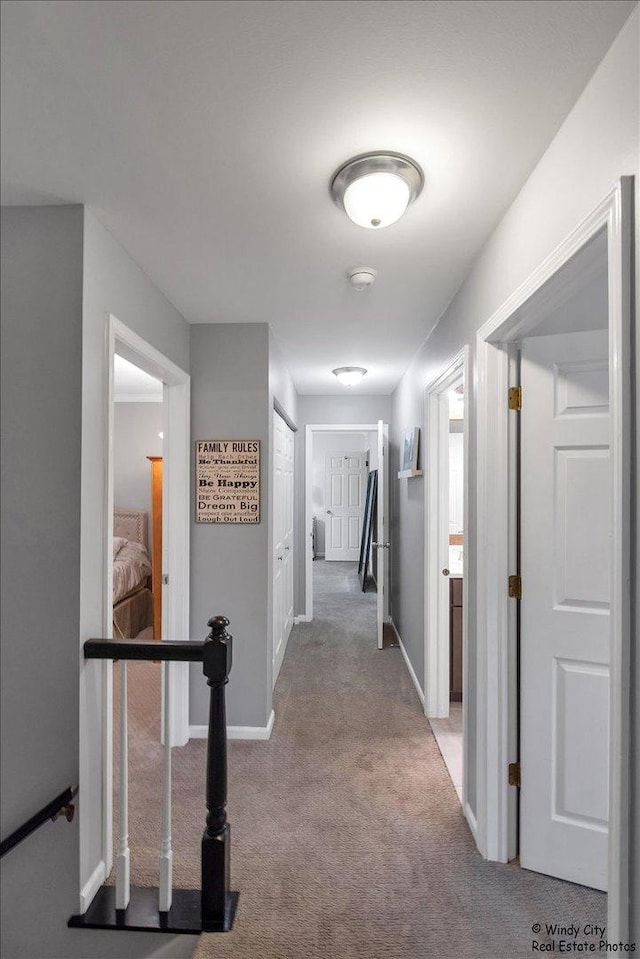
(366, 164)
(347, 374)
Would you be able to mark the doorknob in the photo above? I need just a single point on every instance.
(329, 513)
(287, 548)
(445, 571)
(280, 558)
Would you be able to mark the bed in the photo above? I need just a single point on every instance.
(132, 598)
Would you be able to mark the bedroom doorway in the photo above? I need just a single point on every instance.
(338, 461)
(151, 374)
(172, 565)
(137, 496)
(446, 559)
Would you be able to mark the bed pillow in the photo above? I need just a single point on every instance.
(118, 543)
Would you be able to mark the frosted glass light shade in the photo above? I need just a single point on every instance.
(349, 375)
(376, 200)
(375, 189)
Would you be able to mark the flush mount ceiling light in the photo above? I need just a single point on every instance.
(363, 278)
(349, 375)
(375, 189)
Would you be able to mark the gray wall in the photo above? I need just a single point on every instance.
(41, 408)
(563, 189)
(229, 569)
(135, 437)
(42, 318)
(351, 407)
(282, 391)
(112, 283)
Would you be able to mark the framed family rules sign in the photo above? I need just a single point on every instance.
(227, 481)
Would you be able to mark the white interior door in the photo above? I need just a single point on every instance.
(566, 530)
(382, 530)
(282, 539)
(345, 489)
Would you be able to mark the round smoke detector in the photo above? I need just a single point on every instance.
(363, 278)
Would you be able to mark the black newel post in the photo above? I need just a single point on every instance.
(218, 903)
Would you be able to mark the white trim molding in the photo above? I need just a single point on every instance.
(472, 821)
(436, 532)
(91, 886)
(96, 710)
(407, 661)
(237, 732)
(496, 687)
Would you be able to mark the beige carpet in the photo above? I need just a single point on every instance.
(348, 841)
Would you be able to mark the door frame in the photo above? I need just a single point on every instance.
(273, 665)
(436, 494)
(176, 510)
(497, 685)
(310, 430)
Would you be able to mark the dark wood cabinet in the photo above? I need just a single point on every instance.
(455, 639)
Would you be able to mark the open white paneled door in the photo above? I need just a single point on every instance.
(566, 509)
(345, 487)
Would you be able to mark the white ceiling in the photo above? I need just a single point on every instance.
(133, 385)
(204, 135)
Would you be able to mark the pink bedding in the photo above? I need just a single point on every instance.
(131, 567)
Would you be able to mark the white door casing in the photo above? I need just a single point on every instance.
(566, 511)
(436, 541)
(311, 430)
(492, 818)
(382, 531)
(345, 487)
(283, 460)
(96, 679)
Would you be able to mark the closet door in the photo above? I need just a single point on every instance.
(566, 510)
(282, 539)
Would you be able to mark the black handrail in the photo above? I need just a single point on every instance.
(166, 650)
(60, 806)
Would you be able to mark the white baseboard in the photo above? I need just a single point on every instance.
(473, 825)
(410, 668)
(91, 886)
(237, 732)
(199, 732)
(302, 618)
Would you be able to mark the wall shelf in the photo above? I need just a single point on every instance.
(406, 474)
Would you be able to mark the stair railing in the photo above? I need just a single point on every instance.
(165, 909)
(62, 805)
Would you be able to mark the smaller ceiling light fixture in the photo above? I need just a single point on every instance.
(349, 375)
(375, 189)
(363, 278)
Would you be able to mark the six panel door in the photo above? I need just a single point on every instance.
(566, 525)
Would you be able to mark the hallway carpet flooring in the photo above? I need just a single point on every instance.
(348, 841)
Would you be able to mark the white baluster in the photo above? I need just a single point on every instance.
(166, 852)
(123, 885)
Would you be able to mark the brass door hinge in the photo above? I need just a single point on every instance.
(514, 774)
(515, 587)
(515, 398)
